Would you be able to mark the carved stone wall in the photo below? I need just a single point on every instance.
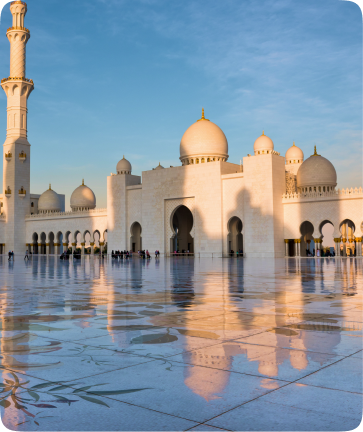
(291, 186)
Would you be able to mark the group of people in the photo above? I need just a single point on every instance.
(183, 252)
(238, 253)
(121, 254)
(144, 254)
(66, 255)
(320, 253)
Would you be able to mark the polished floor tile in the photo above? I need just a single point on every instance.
(260, 415)
(181, 344)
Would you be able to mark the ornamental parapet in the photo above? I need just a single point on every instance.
(17, 79)
(18, 28)
(67, 214)
(335, 194)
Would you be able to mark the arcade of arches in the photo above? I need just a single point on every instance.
(325, 243)
(57, 243)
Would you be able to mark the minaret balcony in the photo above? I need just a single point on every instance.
(8, 192)
(22, 156)
(8, 156)
(22, 192)
(18, 28)
(17, 79)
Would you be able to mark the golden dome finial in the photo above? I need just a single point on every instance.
(315, 152)
(263, 133)
(50, 186)
(82, 182)
(293, 144)
(123, 157)
(203, 118)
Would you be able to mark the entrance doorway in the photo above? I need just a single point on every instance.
(235, 236)
(182, 224)
(135, 239)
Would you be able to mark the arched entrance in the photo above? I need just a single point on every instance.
(347, 228)
(181, 225)
(235, 237)
(35, 243)
(42, 247)
(327, 236)
(307, 240)
(136, 239)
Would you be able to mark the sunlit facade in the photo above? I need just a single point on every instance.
(266, 206)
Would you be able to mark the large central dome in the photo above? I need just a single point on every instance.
(202, 142)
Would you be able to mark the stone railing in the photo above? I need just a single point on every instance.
(340, 193)
(67, 214)
(17, 79)
(18, 28)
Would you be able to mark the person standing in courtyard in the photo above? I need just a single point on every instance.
(26, 255)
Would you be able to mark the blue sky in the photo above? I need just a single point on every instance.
(128, 77)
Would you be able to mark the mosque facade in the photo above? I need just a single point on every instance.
(268, 206)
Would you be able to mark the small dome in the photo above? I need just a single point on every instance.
(294, 155)
(159, 167)
(203, 139)
(49, 201)
(316, 171)
(263, 144)
(124, 166)
(83, 198)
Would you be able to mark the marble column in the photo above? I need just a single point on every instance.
(296, 247)
(39, 249)
(337, 246)
(286, 247)
(101, 247)
(299, 247)
(56, 248)
(344, 240)
(47, 248)
(82, 248)
(92, 248)
(359, 246)
(317, 243)
(65, 247)
(74, 247)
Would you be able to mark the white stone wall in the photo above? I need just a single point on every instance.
(233, 190)
(117, 209)
(134, 211)
(201, 182)
(264, 177)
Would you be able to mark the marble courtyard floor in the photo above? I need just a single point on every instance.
(181, 344)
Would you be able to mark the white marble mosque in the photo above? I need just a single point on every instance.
(268, 205)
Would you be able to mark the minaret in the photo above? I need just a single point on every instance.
(16, 159)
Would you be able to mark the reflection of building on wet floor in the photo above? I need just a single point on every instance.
(267, 206)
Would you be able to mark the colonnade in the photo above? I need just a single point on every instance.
(342, 245)
(48, 244)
